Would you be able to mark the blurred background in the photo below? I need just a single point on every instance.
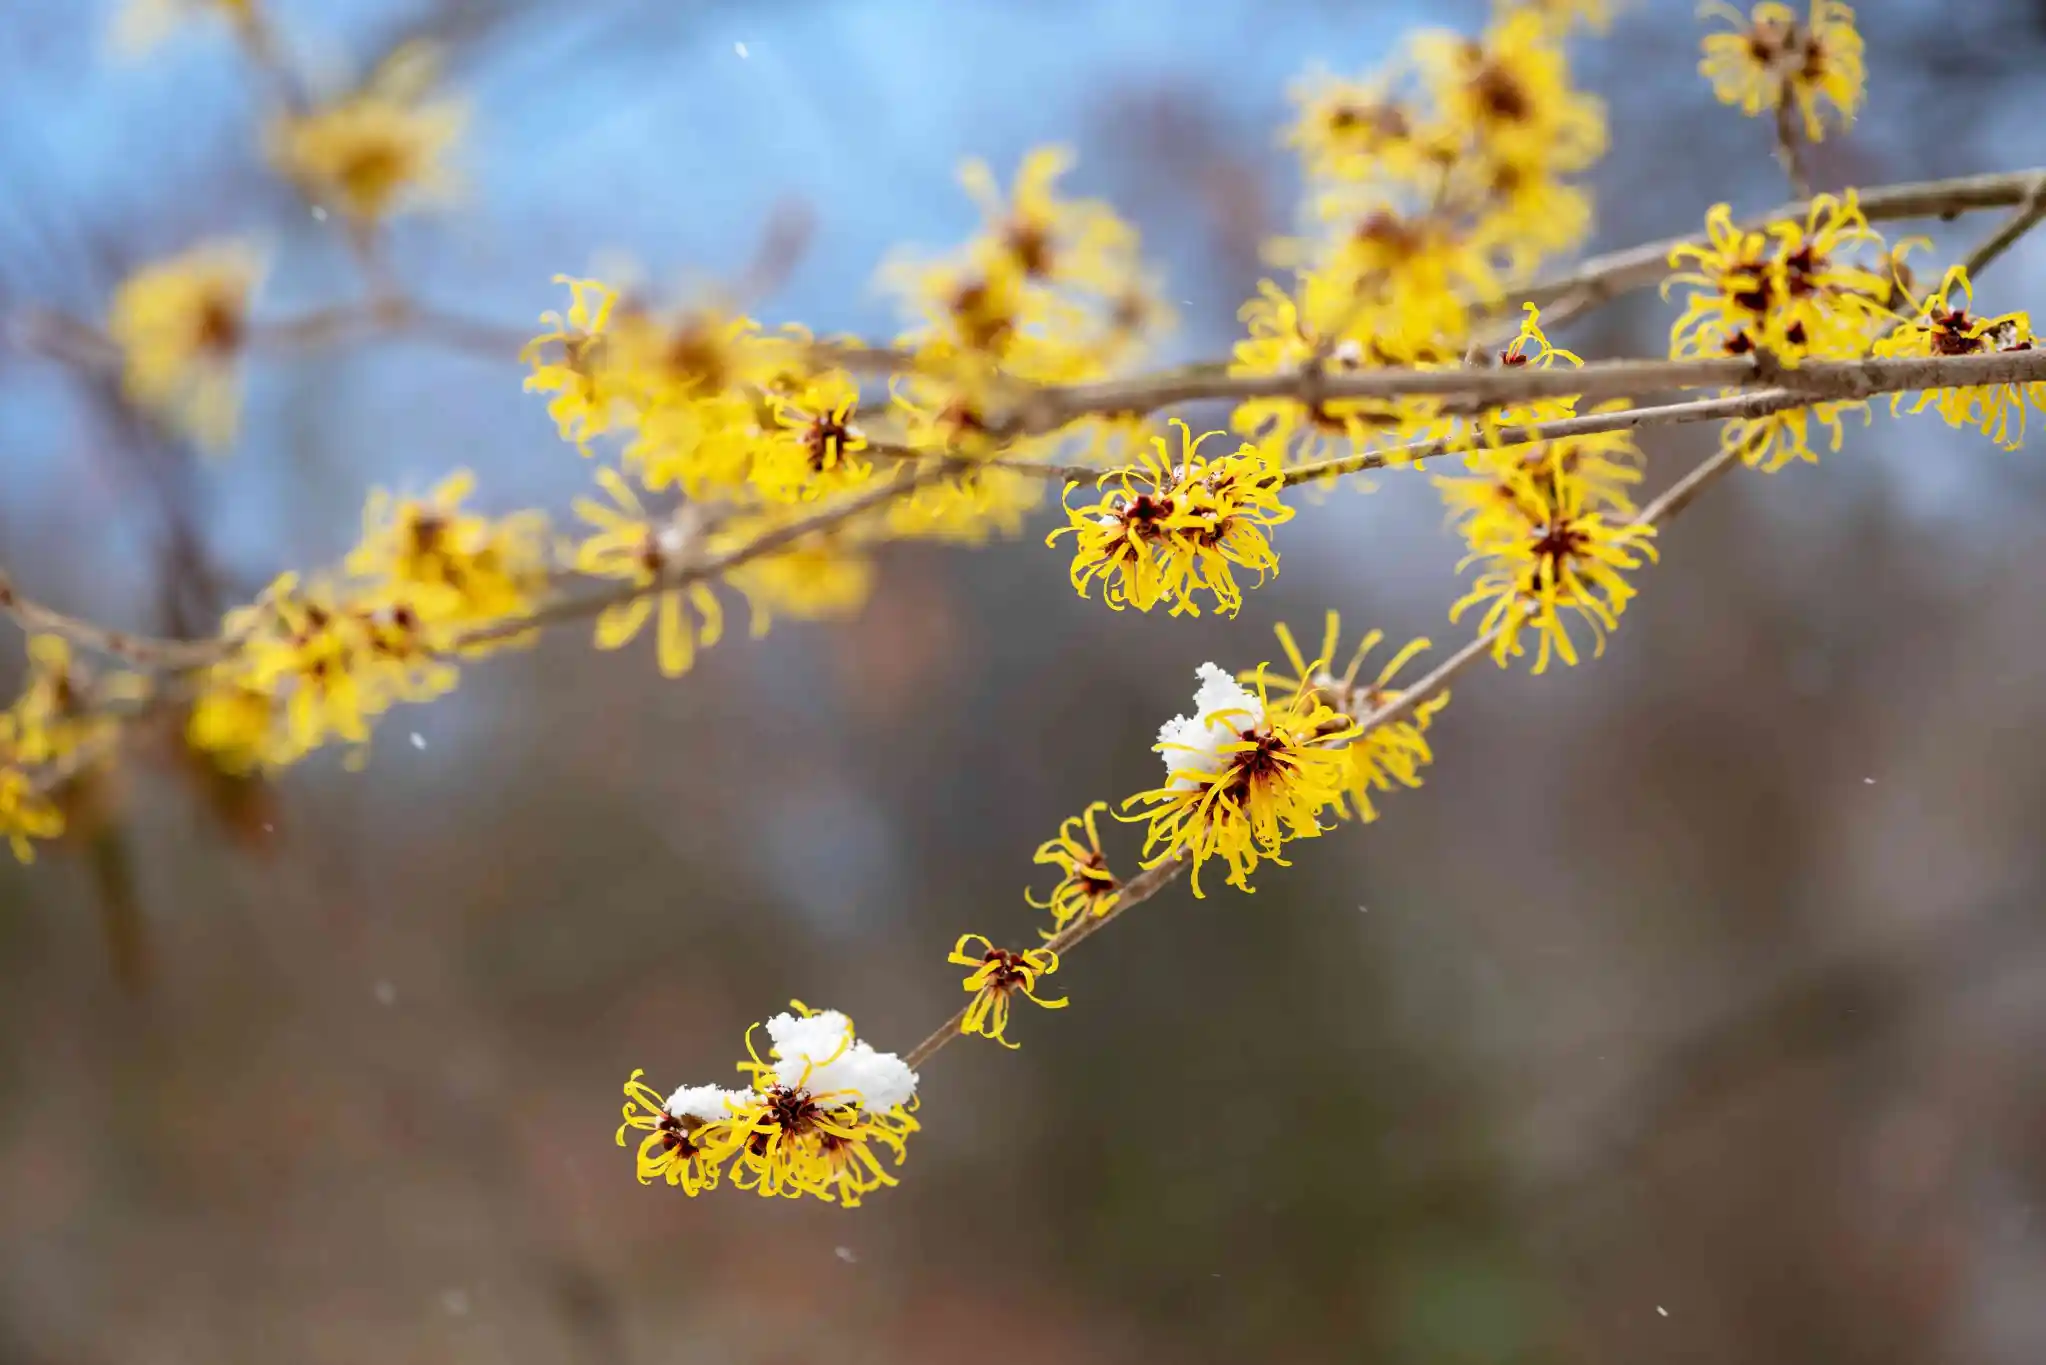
(1693, 1011)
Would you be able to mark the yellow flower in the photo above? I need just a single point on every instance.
(1608, 464)
(455, 568)
(1511, 91)
(583, 396)
(1049, 291)
(1359, 130)
(822, 576)
(967, 508)
(235, 724)
(999, 973)
(332, 660)
(1546, 558)
(1046, 239)
(1086, 886)
(1410, 277)
(812, 447)
(180, 325)
(1388, 754)
(823, 1108)
(25, 813)
(1243, 777)
(1321, 320)
(689, 1137)
(629, 546)
(1771, 441)
(1770, 58)
(379, 150)
(814, 1120)
(1944, 329)
(1793, 291)
(1177, 525)
(58, 714)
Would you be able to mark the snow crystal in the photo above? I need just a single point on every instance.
(1223, 709)
(705, 1102)
(820, 1054)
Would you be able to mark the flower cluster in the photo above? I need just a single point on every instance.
(61, 721)
(1435, 183)
(1945, 327)
(317, 660)
(1817, 290)
(1772, 61)
(1174, 525)
(815, 1118)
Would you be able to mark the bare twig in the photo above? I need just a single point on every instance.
(2013, 228)
(1790, 151)
(141, 650)
(1050, 408)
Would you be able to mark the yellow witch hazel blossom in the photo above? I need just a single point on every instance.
(1319, 324)
(1772, 59)
(1819, 290)
(455, 568)
(1085, 886)
(1387, 755)
(823, 576)
(1547, 555)
(181, 324)
(629, 545)
(1050, 291)
(57, 721)
(1814, 290)
(60, 713)
(999, 973)
(815, 1120)
(329, 657)
(376, 151)
(813, 446)
(583, 397)
(26, 814)
(1243, 777)
(1177, 525)
(1607, 463)
(1945, 327)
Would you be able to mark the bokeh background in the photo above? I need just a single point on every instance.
(1693, 1011)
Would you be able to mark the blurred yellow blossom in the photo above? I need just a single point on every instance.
(376, 151)
(181, 325)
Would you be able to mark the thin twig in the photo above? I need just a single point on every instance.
(1790, 151)
(2012, 229)
(1050, 408)
(142, 650)
(1757, 403)
(1139, 889)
